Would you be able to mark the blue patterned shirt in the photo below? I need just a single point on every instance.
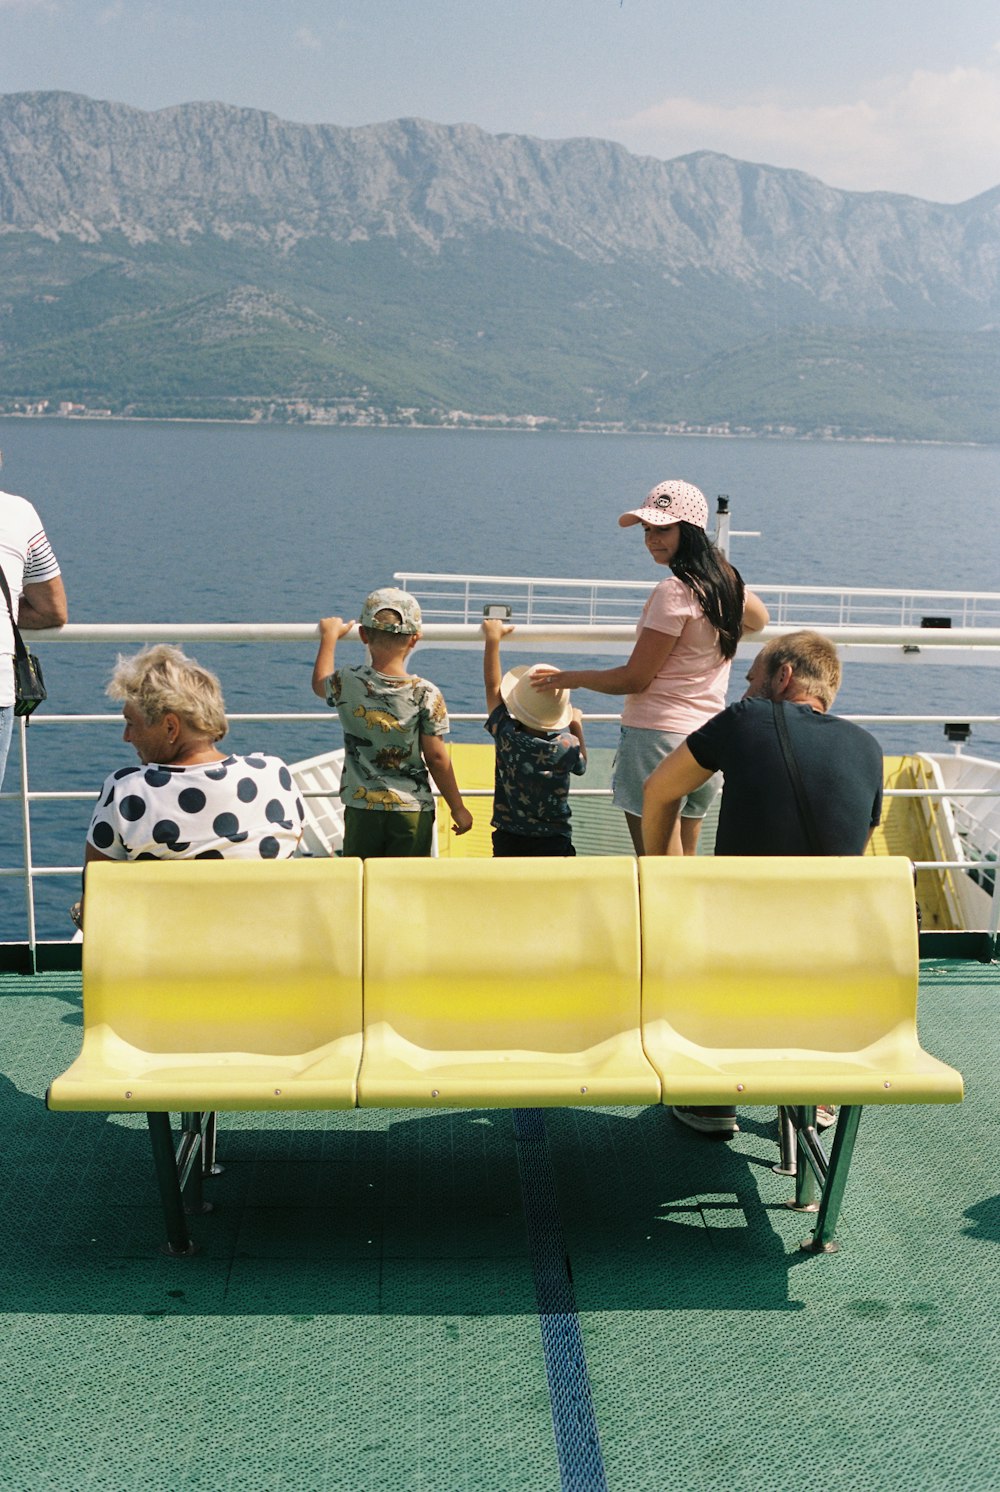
(531, 785)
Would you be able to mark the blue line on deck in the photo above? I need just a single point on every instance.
(581, 1465)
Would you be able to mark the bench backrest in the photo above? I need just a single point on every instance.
(228, 955)
(502, 955)
(797, 954)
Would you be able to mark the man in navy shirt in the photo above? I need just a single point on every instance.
(793, 679)
(840, 764)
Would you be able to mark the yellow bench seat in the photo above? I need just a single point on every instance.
(114, 1077)
(785, 981)
(396, 1071)
(748, 1078)
(503, 983)
(219, 985)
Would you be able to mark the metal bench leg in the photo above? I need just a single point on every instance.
(209, 1165)
(807, 1185)
(821, 1240)
(191, 1162)
(168, 1180)
(787, 1145)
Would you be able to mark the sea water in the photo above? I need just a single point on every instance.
(172, 522)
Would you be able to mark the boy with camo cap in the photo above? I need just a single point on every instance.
(394, 723)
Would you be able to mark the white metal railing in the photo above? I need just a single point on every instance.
(463, 634)
(548, 600)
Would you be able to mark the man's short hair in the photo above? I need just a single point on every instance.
(812, 658)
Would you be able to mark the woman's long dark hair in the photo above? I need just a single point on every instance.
(718, 586)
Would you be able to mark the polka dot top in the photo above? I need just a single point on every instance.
(240, 808)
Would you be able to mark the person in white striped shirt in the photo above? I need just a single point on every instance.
(36, 591)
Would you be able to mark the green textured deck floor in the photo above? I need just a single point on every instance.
(363, 1313)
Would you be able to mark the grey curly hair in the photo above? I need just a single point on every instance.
(162, 680)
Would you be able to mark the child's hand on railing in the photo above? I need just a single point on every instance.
(495, 630)
(335, 627)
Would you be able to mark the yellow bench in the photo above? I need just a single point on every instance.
(499, 983)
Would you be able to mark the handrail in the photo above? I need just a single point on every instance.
(469, 635)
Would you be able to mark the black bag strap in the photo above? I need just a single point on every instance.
(20, 651)
(798, 786)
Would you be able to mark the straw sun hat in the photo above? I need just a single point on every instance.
(550, 710)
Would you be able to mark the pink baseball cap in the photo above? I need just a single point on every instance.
(672, 501)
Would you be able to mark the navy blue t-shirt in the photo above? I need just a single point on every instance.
(841, 768)
(531, 784)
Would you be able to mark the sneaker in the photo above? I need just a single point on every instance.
(707, 1121)
(826, 1114)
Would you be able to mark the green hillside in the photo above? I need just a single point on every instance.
(487, 328)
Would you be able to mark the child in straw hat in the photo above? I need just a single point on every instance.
(539, 746)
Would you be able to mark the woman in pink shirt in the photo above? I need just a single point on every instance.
(686, 638)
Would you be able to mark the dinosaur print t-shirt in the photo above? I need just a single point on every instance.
(383, 719)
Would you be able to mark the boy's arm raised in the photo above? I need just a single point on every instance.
(435, 754)
(493, 631)
(331, 630)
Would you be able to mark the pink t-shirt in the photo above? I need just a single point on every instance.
(691, 686)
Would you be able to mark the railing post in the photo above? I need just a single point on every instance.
(29, 885)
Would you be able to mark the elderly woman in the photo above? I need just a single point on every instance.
(188, 800)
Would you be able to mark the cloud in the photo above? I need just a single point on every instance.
(935, 135)
(306, 38)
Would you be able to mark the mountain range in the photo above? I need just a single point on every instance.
(217, 261)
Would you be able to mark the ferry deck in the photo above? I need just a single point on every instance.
(407, 1299)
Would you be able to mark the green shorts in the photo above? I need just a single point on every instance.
(387, 833)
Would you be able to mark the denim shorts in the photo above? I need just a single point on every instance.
(6, 729)
(639, 753)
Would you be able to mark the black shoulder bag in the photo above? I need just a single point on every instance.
(798, 786)
(29, 686)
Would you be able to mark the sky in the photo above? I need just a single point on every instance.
(868, 95)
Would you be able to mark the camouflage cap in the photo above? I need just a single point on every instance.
(391, 599)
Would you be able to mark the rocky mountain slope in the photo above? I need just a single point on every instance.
(208, 258)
